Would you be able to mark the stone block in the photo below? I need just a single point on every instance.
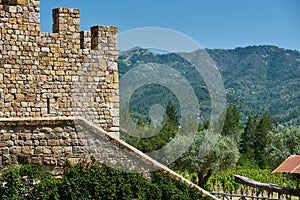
(68, 150)
(36, 160)
(12, 9)
(22, 2)
(9, 143)
(21, 158)
(27, 150)
(53, 142)
(9, 77)
(58, 130)
(13, 20)
(5, 151)
(50, 161)
(34, 17)
(68, 78)
(112, 66)
(47, 150)
(30, 97)
(73, 161)
(2, 144)
(60, 73)
(116, 77)
(113, 86)
(45, 49)
(38, 150)
(44, 111)
(15, 150)
(5, 137)
(20, 97)
(57, 150)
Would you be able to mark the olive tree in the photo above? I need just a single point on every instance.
(202, 157)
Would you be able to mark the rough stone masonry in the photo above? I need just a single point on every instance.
(59, 90)
(48, 76)
(65, 73)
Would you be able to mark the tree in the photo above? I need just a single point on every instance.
(232, 124)
(261, 139)
(285, 142)
(247, 141)
(221, 156)
(141, 122)
(255, 140)
(171, 116)
(165, 135)
(204, 125)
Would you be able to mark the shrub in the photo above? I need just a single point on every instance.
(93, 182)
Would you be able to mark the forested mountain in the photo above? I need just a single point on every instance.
(256, 78)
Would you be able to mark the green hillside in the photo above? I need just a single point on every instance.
(256, 79)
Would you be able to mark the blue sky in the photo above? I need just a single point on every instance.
(212, 23)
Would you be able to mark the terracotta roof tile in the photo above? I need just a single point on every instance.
(290, 165)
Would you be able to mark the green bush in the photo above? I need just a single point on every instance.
(94, 182)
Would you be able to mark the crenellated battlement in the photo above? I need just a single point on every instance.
(14, 2)
(66, 21)
(68, 72)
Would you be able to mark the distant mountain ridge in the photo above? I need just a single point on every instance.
(256, 79)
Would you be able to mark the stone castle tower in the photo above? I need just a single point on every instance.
(59, 90)
(65, 73)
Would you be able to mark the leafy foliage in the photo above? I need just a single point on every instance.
(261, 139)
(262, 81)
(247, 144)
(94, 182)
(257, 79)
(160, 139)
(28, 182)
(220, 156)
(285, 142)
(225, 180)
(203, 155)
(152, 94)
(255, 139)
(232, 123)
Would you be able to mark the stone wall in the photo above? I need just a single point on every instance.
(57, 141)
(54, 142)
(59, 98)
(65, 73)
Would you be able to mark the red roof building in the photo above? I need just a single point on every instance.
(290, 165)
